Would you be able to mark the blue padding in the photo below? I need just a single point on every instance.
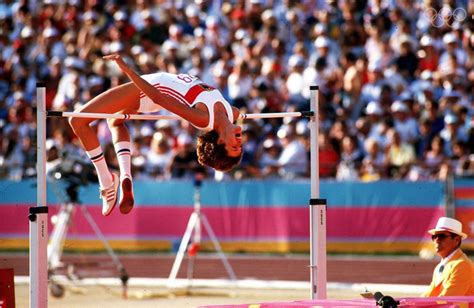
(255, 193)
(464, 182)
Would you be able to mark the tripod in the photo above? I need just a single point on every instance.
(194, 225)
(58, 236)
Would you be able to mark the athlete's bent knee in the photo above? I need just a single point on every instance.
(115, 122)
(77, 123)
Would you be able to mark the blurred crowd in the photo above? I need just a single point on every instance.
(395, 77)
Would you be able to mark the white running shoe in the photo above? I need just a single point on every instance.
(109, 195)
(126, 197)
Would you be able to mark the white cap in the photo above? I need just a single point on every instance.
(74, 62)
(405, 39)
(450, 118)
(296, 60)
(115, 47)
(321, 42)
(26, 32)
(120, 15)
(240, 34)
(136, 50)
(184, 139)
(269, 143)
(50, 143)
(175, 29)
(18, 95)
(320, 28)
(50, 32)
(398, 106)
(373, 108)
(426, 40)
(163, 123)
(449, 38)
(90, 15)
(219, 71)
(146, 131)
(212, 21)
(147, 14)
(192, 11)
(169, 44)
(267, 14)
(426, 75)
(198, 32)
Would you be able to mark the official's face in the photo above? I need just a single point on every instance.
(445, 243)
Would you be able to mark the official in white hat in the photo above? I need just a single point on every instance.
(454, 275)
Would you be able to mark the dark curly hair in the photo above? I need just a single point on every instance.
(214, 155)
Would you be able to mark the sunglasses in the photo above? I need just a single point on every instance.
(440, 236)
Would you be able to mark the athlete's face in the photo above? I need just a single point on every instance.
(232, 140)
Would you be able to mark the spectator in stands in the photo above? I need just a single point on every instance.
(183, 164)
(434, 158)
(293, 159)
(371, 91)
(399, 155)
(159, 157)
(404, 123)
(372, 168)
(328, 156)
(428, 54)
(269, 165)
(239, 84)
(454, 275)
(62, 44)
(407, 61)
(295, 82)
(351, 157)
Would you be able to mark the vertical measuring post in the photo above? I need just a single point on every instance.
(317, 207)
(38, 215)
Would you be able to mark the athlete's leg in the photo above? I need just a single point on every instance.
(123, 149)
(118, 99)
(123, 97)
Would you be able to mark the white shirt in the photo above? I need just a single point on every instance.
(443, 264)
(293, 159)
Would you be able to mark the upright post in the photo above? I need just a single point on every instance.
(38, 215)
(317, 209)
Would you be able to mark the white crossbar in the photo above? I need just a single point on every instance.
(170, 117)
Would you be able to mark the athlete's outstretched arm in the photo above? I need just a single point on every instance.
(193, 115)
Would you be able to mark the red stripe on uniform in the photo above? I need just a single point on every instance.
(187, 99)
(190, 96)
(175, 95)
(193, 93)
(142, 94)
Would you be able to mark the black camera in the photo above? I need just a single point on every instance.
(385, 301)
(75, 173)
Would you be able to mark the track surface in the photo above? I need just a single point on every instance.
(344, 269)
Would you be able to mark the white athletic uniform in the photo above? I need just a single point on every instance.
(188, 90)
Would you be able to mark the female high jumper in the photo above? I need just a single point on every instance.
(219, 146)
